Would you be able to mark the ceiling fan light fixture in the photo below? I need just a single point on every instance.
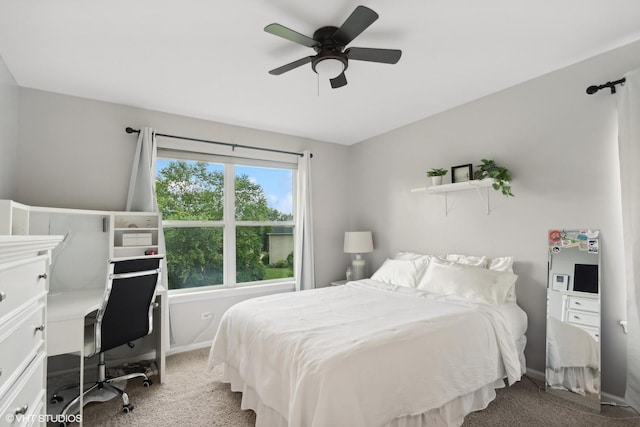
(329, 68)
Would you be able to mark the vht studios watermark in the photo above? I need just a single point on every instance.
(41, 418)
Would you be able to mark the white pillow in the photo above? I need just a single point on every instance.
(504, 263)
(479, 261)
(410, 256)
(400, 272)
(467, 282)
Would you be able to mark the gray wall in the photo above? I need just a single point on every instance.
(74, 153)
(9, 99)
(561, 146)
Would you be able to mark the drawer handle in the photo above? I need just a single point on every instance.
(42, 276)
(577, 302)
(576, 317)
(3, 296)
(40, 328)
(22, 410)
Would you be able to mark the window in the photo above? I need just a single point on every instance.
(225, 223)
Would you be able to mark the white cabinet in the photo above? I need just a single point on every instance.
(24, 273)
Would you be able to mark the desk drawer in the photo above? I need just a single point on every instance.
(20, 341)
(20, 282)
(26, 398)
(585, 304)
(583, 318)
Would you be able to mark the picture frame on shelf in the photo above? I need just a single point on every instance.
(461, 173)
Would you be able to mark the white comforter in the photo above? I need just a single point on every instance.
(363, 354)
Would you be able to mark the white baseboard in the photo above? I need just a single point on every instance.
(535, 375)
(184, 348)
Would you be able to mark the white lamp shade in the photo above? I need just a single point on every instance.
(358, 242)
(329, 68)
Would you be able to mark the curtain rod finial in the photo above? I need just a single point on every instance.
(592, 89)
(131, 130)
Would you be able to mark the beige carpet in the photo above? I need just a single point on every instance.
(192, 396)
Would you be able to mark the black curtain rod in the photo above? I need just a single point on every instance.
(612, 85)
(226, 144)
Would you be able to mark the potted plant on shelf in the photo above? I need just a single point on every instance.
(436, 175)
(500, 175)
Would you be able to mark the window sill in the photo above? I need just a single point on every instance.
(183, 296)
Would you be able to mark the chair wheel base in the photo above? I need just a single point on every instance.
(147, 383)
(127, 408)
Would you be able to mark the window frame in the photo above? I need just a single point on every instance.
(229, 223)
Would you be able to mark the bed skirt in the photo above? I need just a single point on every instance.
(450, 414)
(576, 379)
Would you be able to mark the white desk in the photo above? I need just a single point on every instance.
(65, 324)
(66, 312)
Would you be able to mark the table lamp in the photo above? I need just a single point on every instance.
(358, 242)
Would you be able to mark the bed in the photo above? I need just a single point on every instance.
(400, 349)
(573, 358)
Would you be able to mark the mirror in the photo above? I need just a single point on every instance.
(573, 316)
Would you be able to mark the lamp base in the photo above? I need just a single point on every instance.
(358, 269)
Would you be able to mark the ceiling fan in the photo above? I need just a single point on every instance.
(331, 58)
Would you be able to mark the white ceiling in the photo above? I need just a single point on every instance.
(210, 59)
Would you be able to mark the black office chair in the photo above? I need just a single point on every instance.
(126, 315)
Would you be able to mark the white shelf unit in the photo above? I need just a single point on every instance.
(482, 187)
(126, 225)
(14, 218)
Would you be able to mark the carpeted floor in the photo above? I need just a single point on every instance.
(193, 396)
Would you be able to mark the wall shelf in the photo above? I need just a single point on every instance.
(478, 185)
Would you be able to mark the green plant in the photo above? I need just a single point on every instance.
(501, 176)
(437, 172)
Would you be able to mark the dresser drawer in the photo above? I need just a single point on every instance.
(583, 318)
(586, 304)
(26, 398)
(21, 282)
(21, 340)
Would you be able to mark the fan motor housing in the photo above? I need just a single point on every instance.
(328, 47)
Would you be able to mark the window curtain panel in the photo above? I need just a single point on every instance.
(629, 152)
(304, 262)
(142, 192)
(142, 186)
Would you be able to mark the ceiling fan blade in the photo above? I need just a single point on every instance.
(289, 34)
(339, 81)
(291, 66)
(356, 23)
(386, 56)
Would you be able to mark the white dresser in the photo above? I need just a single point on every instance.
(584, 312)
(24, 271)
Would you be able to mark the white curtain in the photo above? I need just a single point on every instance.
(629, 151)
(142, 186)
(304, 263)
(142, 192)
